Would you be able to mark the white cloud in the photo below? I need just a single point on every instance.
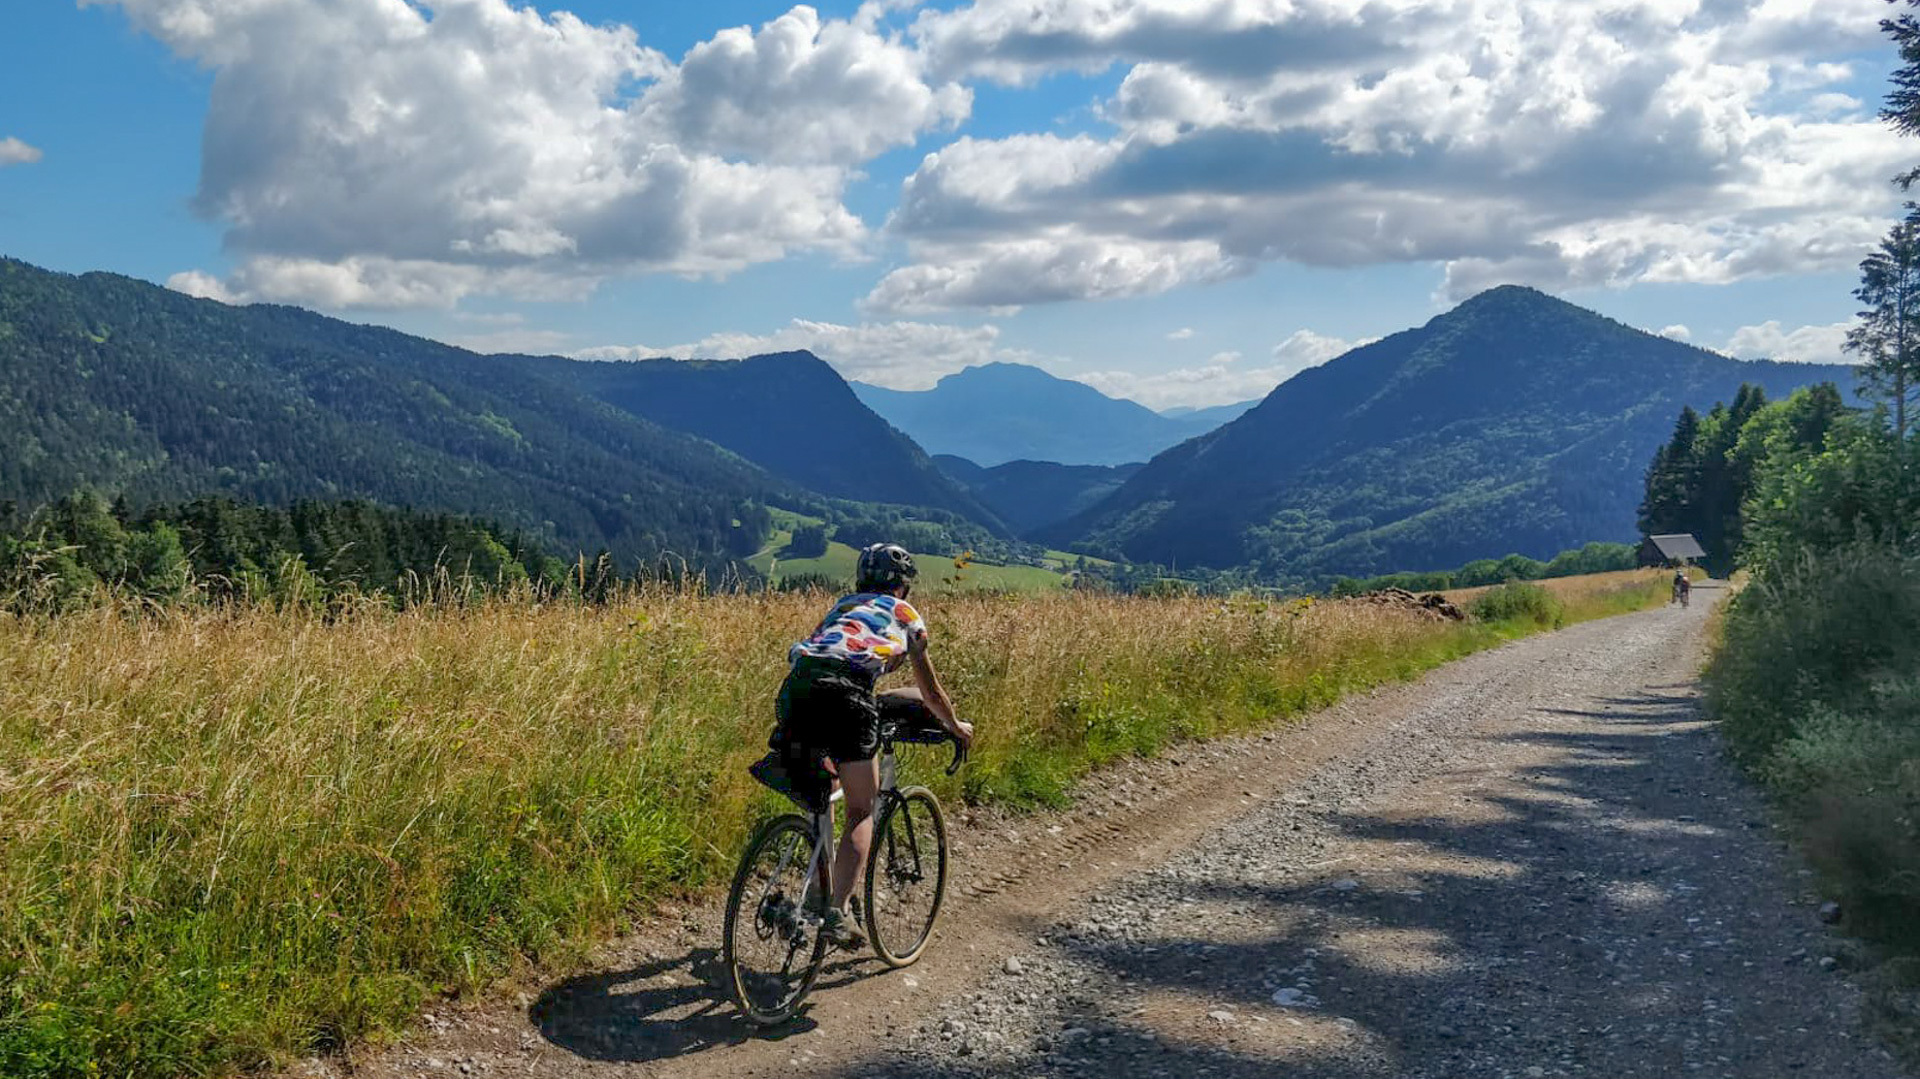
(804, 91)
(1193, 387)
(203, 286)
(1222, 379)
(15, 152)
(1306, 349)
(1533, 141)
(396, 153)
(1807, 344)
(1184, 333)
(525, 342)
(898, 355)
(1677, 332)
(368, 153)
(1044, 266)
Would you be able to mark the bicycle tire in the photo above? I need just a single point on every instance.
(897, 864)
(767, 920)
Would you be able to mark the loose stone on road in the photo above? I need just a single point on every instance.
(1545, 867)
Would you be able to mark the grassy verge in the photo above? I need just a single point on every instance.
(1816, 684)
(227, 837)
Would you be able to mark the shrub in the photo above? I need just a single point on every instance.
(1854, 777)
(1817, 687)
(1811, 632)
(1519, 602)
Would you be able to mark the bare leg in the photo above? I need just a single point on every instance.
(860, 782)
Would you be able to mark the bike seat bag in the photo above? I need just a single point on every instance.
(795, 771)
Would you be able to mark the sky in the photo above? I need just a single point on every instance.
(1179, 201)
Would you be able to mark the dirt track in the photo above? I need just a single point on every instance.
(1534, 862)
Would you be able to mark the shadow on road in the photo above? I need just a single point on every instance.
(663, 1009)
(1600, 912)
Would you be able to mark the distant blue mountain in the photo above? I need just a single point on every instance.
(1209, 418)
(1000, 412)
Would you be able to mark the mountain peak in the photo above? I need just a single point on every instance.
(993, 413)
(1000, 373)
(1514, 299)
(1514, 422)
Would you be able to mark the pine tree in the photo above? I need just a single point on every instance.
(1888, 336)
(1672, 479)
(1903, 102)
(1724, 479)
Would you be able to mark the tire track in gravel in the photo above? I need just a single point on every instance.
(1531, 862)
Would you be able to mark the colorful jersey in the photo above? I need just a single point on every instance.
(868, 631)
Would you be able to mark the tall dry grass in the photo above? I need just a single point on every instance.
(1593, 595)
(227, 836)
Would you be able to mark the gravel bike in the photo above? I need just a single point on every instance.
(774, 948)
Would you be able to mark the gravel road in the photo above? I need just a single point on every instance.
(1534, 862)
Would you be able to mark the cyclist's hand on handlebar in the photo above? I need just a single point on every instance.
(962, 732)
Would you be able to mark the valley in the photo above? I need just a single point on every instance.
(1402, 519)
(1516, 424)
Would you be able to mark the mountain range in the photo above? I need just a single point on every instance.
(135, 390)
(1514, 423)
(999, 412)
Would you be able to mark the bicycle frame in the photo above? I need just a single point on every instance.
(759, 905)
(820, 861)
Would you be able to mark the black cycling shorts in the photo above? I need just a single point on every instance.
(829, 708)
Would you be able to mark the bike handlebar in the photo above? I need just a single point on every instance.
(891, 735)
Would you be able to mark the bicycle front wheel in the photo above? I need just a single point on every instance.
(906, 875)
(773, 947)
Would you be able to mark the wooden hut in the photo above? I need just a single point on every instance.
(1679, 549)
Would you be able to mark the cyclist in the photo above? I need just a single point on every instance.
(828, 708)
(1682, 587)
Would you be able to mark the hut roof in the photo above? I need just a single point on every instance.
(1678, 546)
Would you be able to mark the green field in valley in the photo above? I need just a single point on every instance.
(938, 573)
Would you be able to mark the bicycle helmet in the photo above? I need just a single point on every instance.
(882, 566)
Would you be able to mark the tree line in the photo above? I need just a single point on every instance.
(1707, 479)
(1591, 558)
(1816, 684)
(81, 548)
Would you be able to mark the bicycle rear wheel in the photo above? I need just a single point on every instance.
(906, 875)
(773, 948)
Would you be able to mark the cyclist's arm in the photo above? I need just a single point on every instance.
(933, 693)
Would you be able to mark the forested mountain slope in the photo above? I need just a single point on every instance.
(1000, 412)
(1029, 495)
(134, 389)
(1514, 423)
(790, 413)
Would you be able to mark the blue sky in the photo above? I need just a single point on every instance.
(1177, 201)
